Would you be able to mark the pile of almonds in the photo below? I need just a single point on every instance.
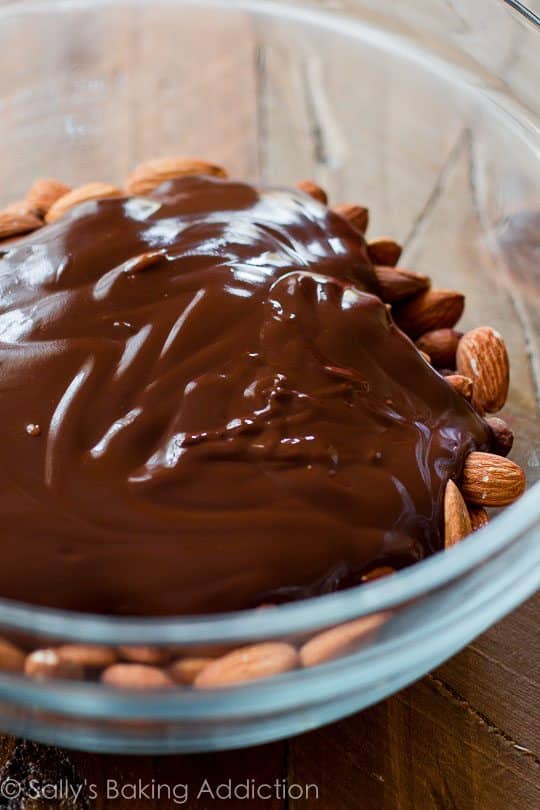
(475, 364)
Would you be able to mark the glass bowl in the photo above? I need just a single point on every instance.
(428, 117)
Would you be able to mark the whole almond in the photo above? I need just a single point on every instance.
(490, 480)
(433, 309)
(81, 194)
(248, 664)
(340, 640)
(11, 658)
(47, 663)
(503, 438)
(44, 193)
(384, 251)
(136, 676)
(315, 191)
(462, 384)
(13, 223)
(21, 207)
(441, 345)
(482, 356)
(457, 523)
(356, 215)
(186, 670)
(145, 655)
(478, 517)
(147, 176)
(397, 284)
(88, 656)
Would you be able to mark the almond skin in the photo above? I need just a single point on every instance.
(356, 215)
(248, 664)
(482, 356)
(147, 176)
(441, 345)
(186, 670)
(457, 523)
(136, 676)
(44, 193)
(378, 573)
(88, 656)
(490, 480)
(478, 517)
(11, 658)
(14, 224)
(384, 251)
(340, 640)
(503, 438)
(397, 284)
(433, 309)
(145, 655)
(315, 191)
(81, 194)
(462, 384)
(47, 663)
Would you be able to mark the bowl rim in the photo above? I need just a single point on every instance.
(312, 613)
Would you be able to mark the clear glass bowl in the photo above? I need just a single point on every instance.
(427, 115)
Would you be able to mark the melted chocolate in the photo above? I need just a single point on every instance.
(203, 404)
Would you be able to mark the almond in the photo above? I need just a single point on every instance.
(340, 640)
(89, 656)
(44, 193)
(489, 480)
(248, 664)
(426, 357)
(482, 356)
(378, 573)
(136, 676)
(433, 309)
(457, 523)
(13, 223)
(145, 655)
(384, 251)
(396, 284)
(356, 215)
(441, 345)
(503, 438)
(47, 663)
(478, 517)
(462, 384)
(315, 191)
(81, 194)
(21, 207)
(186, 670)
(147, 176)
(11, 658)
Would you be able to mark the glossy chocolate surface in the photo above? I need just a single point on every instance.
(205, 405)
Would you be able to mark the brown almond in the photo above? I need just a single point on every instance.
(433, 309)
(186, 670)
(21, 207)
(136, 676)
(462, 384)
(145, 654)
(147, 176)
(478, 517)
(384, 251)
(79, 195)
(340, 640)
(356, 215)
(47, 663)
(397, 284)
(378, 573)
(482, 356)
(315, 191)
(14, 224)
(503, 438)
(88, 656)
(44, 193)
(248, 664)
(490, 480)
(441, 345)
(457, 523)
(11, 658)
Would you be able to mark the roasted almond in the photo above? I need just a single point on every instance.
(462, 384)
(47, 663)
(81, 194)
(186, 670)
(340, 640)
(11, 658)
(384, 251)
(503, 438)
(482, 356)
(44, 193)
(457, 523)
(248, 664)
(21, 207)
(315, 191)
(145, 655)
(478, 517)
(441, 345)
(136, 676)
(397, 284)
(89, 656)
(356, 215)
(147, 176)
(490, 480)
(433, 309)
(14, 224)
